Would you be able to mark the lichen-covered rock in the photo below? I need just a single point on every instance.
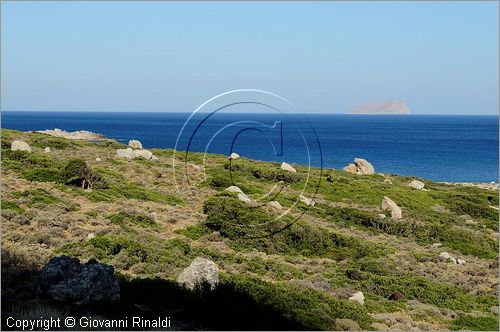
(416, 184)
(47, 149)
(125, 153)
(234, 189)
(233, 156)
(389, 204)
(65, 279)
(20, 146)
(344, 324)
(307, 201)
(134, 144)
(360, 167)
(287, 167)
(358, 297)
(275, 205)
(244, 198)
(200, 271)
(447, 257)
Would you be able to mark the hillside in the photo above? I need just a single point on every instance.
(293, 272)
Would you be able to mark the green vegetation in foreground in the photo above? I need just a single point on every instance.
(472, 323)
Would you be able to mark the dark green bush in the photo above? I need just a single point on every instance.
(43, 141)
(78, 173)
(473, 323)
(123, 218)
(6, 205)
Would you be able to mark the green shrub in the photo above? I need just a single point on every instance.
(42, 141)
(194, 232)
(38, 196)
(7, 205)
(475, 323)
(123, 218)
(78, 173)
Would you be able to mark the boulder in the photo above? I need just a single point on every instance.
(134, 144)
(461, 261)
(125, 153)
(146, 154)
(20, 146)
(97, 159)
(233, 156)
(65, 279)
(201, 271)
(287, 167)
(416, 184)
(379, 327)
(388, 204)
(358, 297)
(234, 189)
(360, 166)
(47, 149)
(244, 198)
(307, 201)
(275, 205)
(344, 324)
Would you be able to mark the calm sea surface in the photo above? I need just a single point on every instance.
(441, 148)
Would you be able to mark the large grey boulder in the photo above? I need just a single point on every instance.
(65, 279)
(360, 167)
(416, 184)
(307, 201)
(287, 167)
(125, 153)
(233, 156)
(20, 146)
(134, 144)
(358, 297)
(389, 204)
(200, 271)
(234, 189)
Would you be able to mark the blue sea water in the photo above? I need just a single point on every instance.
(441, 148)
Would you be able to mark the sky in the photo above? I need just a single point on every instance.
(328, 57)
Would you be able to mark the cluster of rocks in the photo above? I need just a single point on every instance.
(79, 134)
(65, 279)
(135, 150)
(447, 257)
(360, 167)
(241, 195)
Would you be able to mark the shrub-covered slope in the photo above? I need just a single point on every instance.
(291, 268)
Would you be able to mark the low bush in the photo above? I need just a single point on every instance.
(7, 205)
(473, 323)
(124, 218)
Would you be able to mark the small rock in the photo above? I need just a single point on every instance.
(417, 184)
(20, 146)
(388, 204)
(234, 189)
(244, 198)
(461, 261)
(47, 149)
(97, 159)
(90, 236)
(495, 310)
(143, 154)
(344, 324)
(358, 297)
(381, 216)
(134, 144)
(154, 215)
(446, 256)
(439, 208)
(379, 327)
(200, 271)
(307, 201)
(436, 245)
(287, 167)
(65, 279)
(233, 156)
(125, 153)
(360, 167)
(275, 204)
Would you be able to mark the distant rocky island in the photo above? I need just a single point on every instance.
(386, 107)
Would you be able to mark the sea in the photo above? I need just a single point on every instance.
(436, 147)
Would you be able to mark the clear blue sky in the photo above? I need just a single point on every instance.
(440, 58)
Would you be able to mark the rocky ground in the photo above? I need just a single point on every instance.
(284, 248)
